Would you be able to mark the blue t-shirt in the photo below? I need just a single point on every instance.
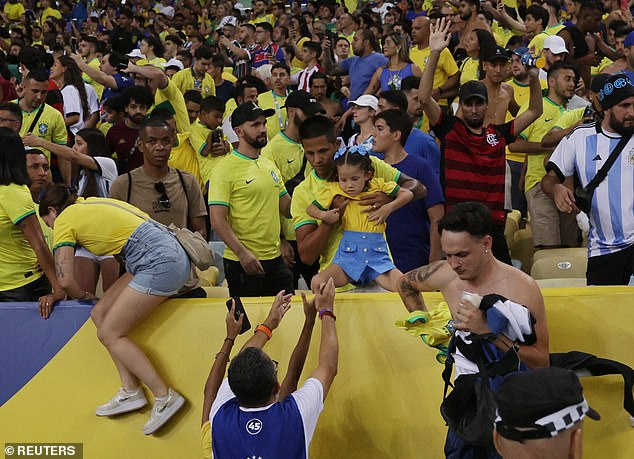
(360, 70)
(407, 230)
(421, 145)
(123, 81)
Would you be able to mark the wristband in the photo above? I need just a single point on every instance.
(230, 340)
(264, 329)
(327, 312)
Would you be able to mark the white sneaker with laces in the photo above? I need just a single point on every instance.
(123, 402)
(163, 411)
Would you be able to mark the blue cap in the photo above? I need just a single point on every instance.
(629, 40)
(520, 51)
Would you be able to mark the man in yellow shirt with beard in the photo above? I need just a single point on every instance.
(246, 197)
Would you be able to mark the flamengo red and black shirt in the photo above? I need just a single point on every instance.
(474, 166)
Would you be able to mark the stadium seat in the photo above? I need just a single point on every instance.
(562, 282)
(522, 248)
(512, 226)
(208, 277)
(563, 252)
(560, 267)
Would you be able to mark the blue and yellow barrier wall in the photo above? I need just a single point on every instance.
(384, 402)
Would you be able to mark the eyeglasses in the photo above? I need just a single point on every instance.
(163, 199)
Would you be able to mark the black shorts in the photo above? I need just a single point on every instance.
(29, 292)
(277, 276)
(611, 269)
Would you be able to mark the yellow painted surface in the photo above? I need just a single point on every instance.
(383, 404)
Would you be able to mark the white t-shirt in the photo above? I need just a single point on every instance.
(72, 104)
(104, 175)
(383, 9)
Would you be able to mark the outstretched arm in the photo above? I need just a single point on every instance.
(298, 357)
(217, 372)
(434, 276)
(281, 304)
(438, 40)
(329, 345)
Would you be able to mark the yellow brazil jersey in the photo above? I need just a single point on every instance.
(446, 67)
(229, 108)
(354, 218)
(185, 81)
(469, 70)
(297, 62)
(198, 140)
(183, 157)
(569, 118)
(50, 126)
(251, 189)
(105, 127)
(521, 93)
(13, 10)
(99, 227)
(535, 132)
(288, 157)
(155, 62)
(49, 12)
(307, 191)
(227, 75)
(19, 263)
(536, 45)
(276, 122)
(266, 18)
(501, 34)
(172, 99)
(98, 87)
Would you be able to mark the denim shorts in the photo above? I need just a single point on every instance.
(158, 262)
(363, 256)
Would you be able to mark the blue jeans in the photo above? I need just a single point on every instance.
(457, 448)
(158, 262)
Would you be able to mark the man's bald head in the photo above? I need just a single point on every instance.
(420, 30)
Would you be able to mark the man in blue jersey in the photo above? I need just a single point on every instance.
(583, 153)
(412, 231)
(249, 413)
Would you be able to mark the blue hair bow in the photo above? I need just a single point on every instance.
(359, 149)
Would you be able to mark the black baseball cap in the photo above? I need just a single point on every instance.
(540, 403)
(497, 54)
(473, 88)
(615, 90)
(305, 102)
(248, 112)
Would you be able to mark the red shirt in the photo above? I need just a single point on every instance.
(474, 166)
(122, 140)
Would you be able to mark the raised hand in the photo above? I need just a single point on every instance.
(439, 36)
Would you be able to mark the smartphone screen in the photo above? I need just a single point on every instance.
(246, 325)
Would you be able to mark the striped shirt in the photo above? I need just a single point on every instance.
(302, 78)
(474, 166)
(583, 152)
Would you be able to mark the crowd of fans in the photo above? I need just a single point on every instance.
(312, 140)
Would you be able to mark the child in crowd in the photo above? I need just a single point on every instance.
(362, 256)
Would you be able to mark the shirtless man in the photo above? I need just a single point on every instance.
(471, 267)
(468, 11)
(625, 49)
(497, 69)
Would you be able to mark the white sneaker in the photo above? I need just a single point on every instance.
(123, 402)
(162, 412)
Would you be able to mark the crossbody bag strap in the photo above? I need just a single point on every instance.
(603, 172)
(37, 118)
(143, 217)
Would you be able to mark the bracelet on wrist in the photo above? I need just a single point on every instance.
(221, 352)
(327, 312)
(232, 341)
(264, 329)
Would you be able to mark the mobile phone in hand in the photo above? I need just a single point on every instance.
(246, 325)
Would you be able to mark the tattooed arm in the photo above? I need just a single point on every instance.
(429, 278)
(65, 271)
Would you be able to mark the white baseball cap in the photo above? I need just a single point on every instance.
(366, 101)
(136, 53)
(555, 44)
(174, 63)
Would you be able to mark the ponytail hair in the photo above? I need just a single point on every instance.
(59, 197)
